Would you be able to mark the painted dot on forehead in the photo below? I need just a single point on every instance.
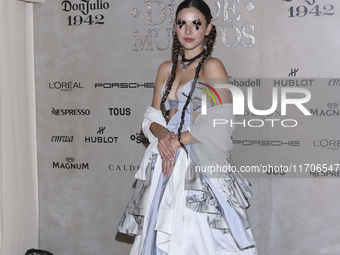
(180, 23)
(197, 23)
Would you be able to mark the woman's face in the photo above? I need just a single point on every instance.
(191, 27)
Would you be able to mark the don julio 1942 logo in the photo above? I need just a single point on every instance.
(84, 10)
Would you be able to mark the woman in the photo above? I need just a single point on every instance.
(176, 209)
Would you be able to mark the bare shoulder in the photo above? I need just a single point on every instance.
(214, 68)
(163, 71)
(164, 68)
(214, 72)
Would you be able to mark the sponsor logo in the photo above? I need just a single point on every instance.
(62, 139)
(125, 168)
(101, 139)
(84, 8)
(139, 138)
(328, 173)
(101, 130)
(310, 9)
(330, 112)
(273, 143)
(334, 82)
(70, 164)
(120, 111)
(125, 85)
(293, 72)
(246, 83)
(328, 144)
(64, 86)
(70, 112)
(293, 83)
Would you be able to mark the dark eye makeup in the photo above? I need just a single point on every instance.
(197, 23)
(180, 23)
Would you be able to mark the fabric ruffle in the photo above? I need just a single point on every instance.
(234, 188)
(132, 220)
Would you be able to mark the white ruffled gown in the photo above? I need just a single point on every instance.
(188, 213)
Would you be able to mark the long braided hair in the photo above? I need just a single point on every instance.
(205, 10)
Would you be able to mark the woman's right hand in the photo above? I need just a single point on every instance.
(168, 164)
(164, 145)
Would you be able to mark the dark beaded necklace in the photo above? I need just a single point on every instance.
(184, 66)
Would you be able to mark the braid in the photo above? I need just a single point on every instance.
(175, 53)
(211, 39)
(210, 45)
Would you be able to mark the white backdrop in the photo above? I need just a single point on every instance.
(95, 72)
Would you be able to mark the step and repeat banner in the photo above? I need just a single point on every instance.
(96, 63)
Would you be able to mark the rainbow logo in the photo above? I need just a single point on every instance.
(208, 92)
